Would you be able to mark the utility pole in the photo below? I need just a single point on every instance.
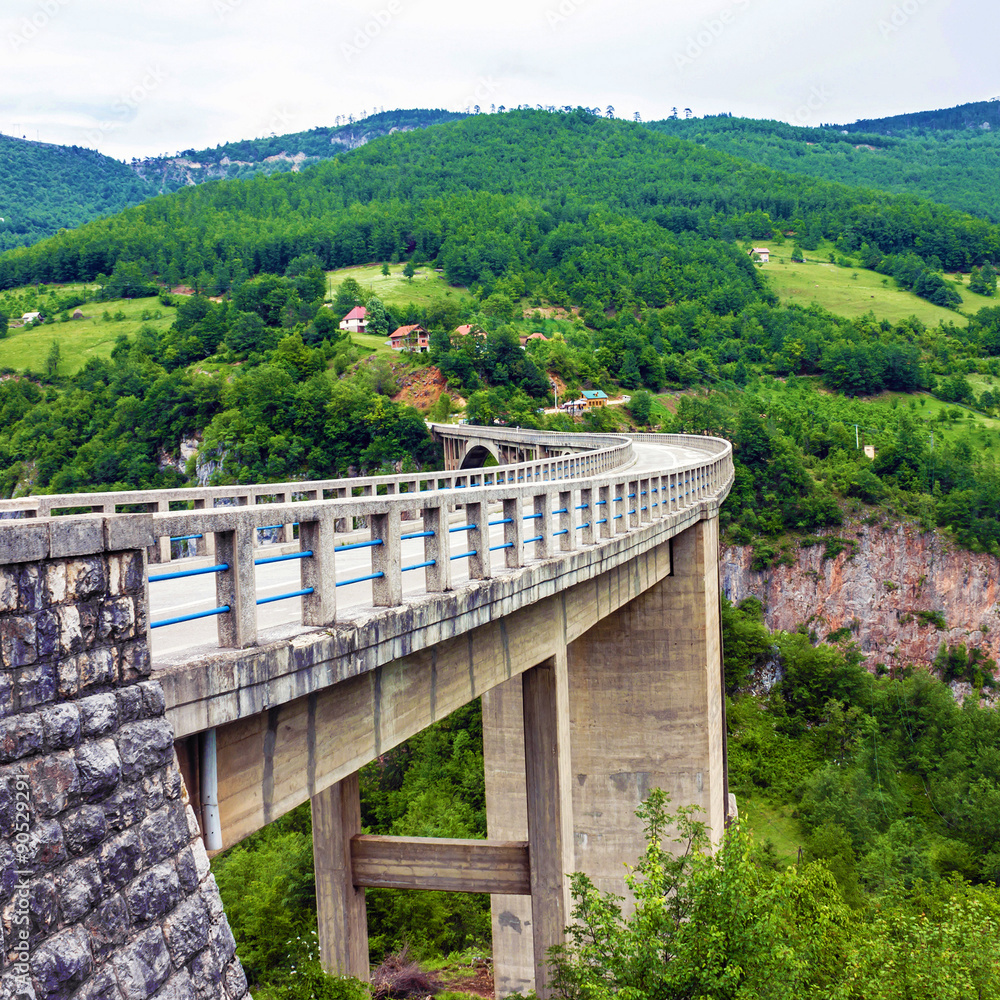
(555, 393)
(857, 440)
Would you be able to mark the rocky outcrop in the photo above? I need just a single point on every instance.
(879, 591)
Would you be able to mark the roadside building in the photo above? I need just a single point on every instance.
(594, 397)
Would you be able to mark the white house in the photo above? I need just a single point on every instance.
(354, 321)
(760, 253)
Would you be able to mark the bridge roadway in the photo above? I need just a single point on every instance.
(181, 597)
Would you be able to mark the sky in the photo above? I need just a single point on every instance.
(139, 79)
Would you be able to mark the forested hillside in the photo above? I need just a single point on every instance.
(632, 234)
(964, 116)
(45, 188)
(952, 165)
(518, 176)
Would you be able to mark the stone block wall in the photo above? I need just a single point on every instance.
(105, 888)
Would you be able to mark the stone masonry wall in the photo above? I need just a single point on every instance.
(105, 888)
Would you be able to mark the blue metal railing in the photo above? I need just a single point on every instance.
(358, 545)
(180, 574)
(361, 579)
(276, 559)
(285, 597)
(225, 609)
(422, 565)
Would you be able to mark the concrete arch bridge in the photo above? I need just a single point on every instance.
(178, 704)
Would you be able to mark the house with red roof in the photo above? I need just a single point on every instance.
(354, 321)
(525, 337)
(413, 339)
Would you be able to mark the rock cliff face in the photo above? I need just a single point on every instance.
(878, 592)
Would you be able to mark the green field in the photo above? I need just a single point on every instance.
(372, 343)
(853, 292)
(80, 340)
(949, 422)
(427, 287)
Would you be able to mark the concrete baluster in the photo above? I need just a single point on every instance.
(603, 512)
(541, 525)
(513, 533)
(633, 503)
(479, 540)
(567, 521)
(341, 493)
(645, 500)
(437, 548)
(287, 533)
(587, 517)
(205, 544)
(387, 590)
(317, 571)
(159, 551)
(236, 587)
(619, 507)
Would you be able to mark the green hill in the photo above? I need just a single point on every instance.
(954, 166)
(45, 188)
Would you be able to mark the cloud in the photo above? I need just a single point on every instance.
(143, 80)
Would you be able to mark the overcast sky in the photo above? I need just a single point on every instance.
(136, 79)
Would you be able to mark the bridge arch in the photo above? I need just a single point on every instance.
(478, 454)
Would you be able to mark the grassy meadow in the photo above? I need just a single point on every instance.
(949, 422)
(425, 289)
(79, 340)
(852, 292)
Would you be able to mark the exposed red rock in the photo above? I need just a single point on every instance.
(897, 571)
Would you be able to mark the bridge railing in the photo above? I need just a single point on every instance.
(524, 513)
(597, 453)
(409, 542)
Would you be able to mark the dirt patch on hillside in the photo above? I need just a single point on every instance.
(422, 387)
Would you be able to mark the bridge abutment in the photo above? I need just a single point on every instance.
(106, 888)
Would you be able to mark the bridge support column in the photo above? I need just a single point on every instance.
(526, 732)
(646, 701)
(507, 819)
(340, 907)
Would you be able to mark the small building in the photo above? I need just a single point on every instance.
(354, 321)
(763, 254)
(594, 397)
(413, 339)
(525, 337)
(31, 317)
(573, 405)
